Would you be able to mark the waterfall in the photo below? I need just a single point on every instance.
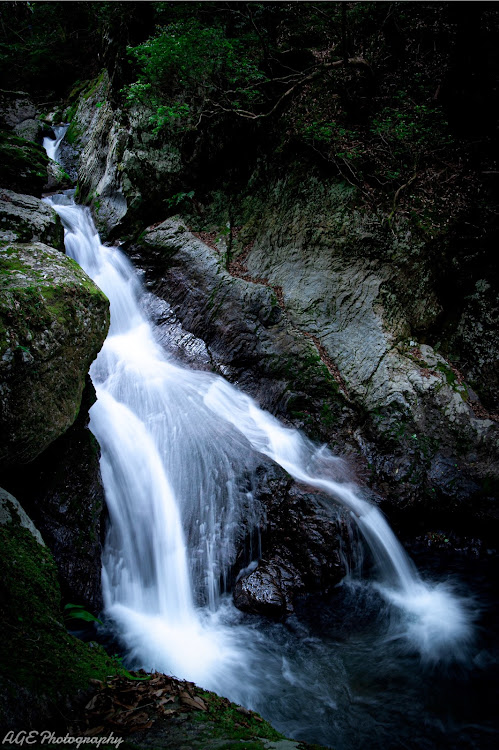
(52, 145)
(174, 442)
(179, 448)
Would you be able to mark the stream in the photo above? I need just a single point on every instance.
(399, 660)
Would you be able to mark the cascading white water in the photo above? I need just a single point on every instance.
(173, 444)
(51, 145)
(178, 448)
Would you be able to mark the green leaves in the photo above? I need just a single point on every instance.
(78, 612)
(178, 199)
(188, 67)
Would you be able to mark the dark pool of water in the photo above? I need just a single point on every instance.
(364, 690)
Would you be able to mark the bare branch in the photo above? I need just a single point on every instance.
(352, 61)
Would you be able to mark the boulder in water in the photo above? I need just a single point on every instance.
(268, 590)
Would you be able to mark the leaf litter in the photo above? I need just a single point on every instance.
(132, 706)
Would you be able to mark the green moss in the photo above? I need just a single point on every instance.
(24, 164)
(73, 133)
(450, 376)
(37, 652)
(231, 724)
(94, 85)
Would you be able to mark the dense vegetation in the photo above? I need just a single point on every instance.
(383, 93)
(395, 98)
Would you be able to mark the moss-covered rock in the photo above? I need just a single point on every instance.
(23, 164)
(42, 667)
(53, 321)
(24, 218)
(63, 494)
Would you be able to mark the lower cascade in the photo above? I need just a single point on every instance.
(174, 442)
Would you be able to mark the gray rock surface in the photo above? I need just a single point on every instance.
(24, 218)
(421, 411)
(269, 589)
(30, 130)
(365, 291)
(121, 161)
(250, 341)
(10, 510)
(15, 107)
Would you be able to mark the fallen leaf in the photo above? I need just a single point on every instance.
(193, 702)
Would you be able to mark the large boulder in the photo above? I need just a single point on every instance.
(269, 590)
(42, 667)
(64, 495)
(305, 539)
(16, 107)
(53, 321)
(23, 164)
(24, 218)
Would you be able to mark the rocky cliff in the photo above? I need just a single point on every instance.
(327, 310)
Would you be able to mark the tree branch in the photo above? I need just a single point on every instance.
(352, 61)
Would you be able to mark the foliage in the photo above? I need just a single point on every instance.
(179, 199)
(195, 62)
(78, 612)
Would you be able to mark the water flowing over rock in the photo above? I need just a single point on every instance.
(333, 309)
(180, 504)
(249, 338)
(320, 276)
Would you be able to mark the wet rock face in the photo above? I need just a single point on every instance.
(53, 321)
(420, 411)
(367, 294)
(305, 540)
(248, 338)
(24, 218)
(269, 590)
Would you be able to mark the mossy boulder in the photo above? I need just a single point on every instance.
(53, 321)
(23, 164)
(24, 218)
(64, 495)
(42, 667)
